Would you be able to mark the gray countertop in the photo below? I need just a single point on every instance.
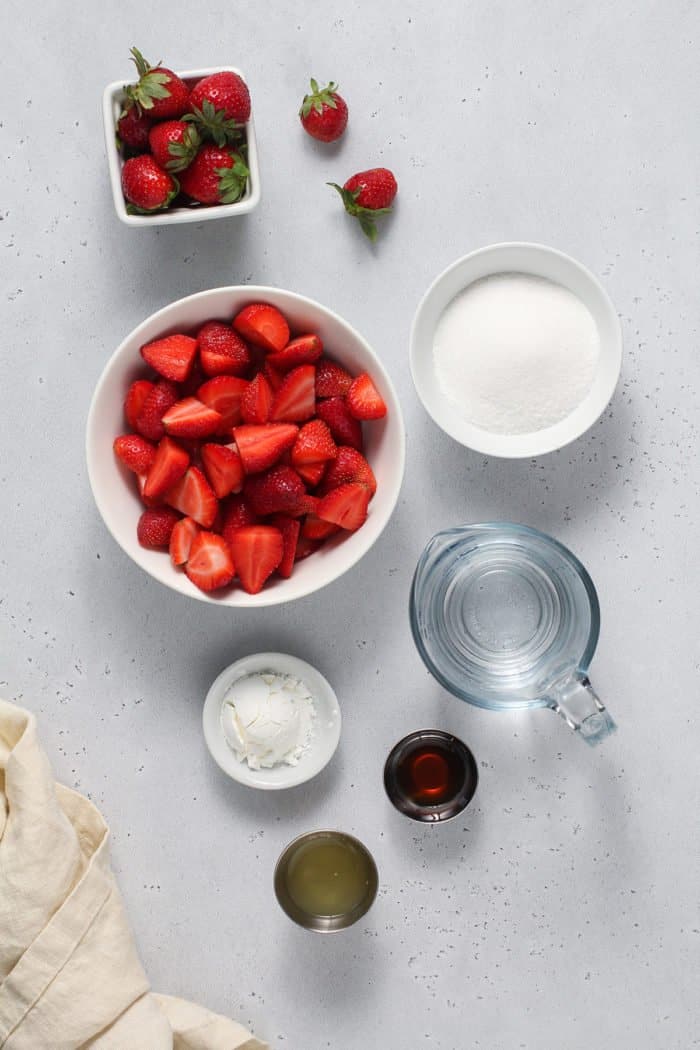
(562, 911)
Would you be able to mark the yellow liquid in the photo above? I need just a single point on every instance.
(325, 877)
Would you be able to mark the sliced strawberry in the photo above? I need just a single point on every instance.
(273, 375)
(345, 506)
(236, 514)
(194, 496)
(332, 380)
(155, 526)
(181, 540)
(315, 528)
(311, 474)
(221, 350)
(289, 527)
(261, 446)
(191, 418)
(305, 547)
(257, 400)
(312, 449)
(135, 397)
(364, 400)
(295, 400)
(135, 452)
(149, 423)
(279, 491)
(224, 394)
(157, 502)
(170, 463)
(303, 350)
(349, 466)
(210, 564)
(262, 325)
(257, 551)
(343, 426)
(172, 356)
(223, 468)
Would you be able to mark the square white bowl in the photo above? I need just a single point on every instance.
(112, 103)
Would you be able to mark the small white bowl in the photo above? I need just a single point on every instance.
(112, 103)
(326, 733)
(539, 261)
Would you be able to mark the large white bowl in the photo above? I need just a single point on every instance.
(540, 261)
(113, 486)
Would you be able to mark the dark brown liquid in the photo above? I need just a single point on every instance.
(430, 775)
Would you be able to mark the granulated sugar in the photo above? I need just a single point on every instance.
(515, 353)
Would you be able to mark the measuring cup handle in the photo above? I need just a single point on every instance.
(576, 701)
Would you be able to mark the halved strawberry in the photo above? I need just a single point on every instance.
(257, 400)
(221, 350)
(364, 400)
(135, 397)
(345, 506)
(171, 356)
(289, 527)
(303, 350)
(305, 547)
(259, 446)
(149, 423)
(311, 474)
(223, 468)
(224, 394)
(315, 528)
(155, 527)
(191, 418)
(194, 496)
(349, 466)
(313, 447)
(169, 464)
(295, 400)
(257, 551)
(141, 480)
(343, 426)
(210, 564)
(181, 538)
(236, 514)
(279, 491)
(135, 452)
(263, 325)
(332, 380)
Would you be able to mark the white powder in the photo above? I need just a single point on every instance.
(515, 353)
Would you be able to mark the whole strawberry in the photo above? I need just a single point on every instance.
(368, 194)
(159, 91)
(133, 127)
(324, 113)
(215, 176)
(220, 106)
(146, 186)
(174, 144)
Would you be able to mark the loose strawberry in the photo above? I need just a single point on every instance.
(169, 464)
(279, 491)
(345, 428)
(295, 400)
(367, 195)
(223, 468)
(261, 446)
(236, 514)
(221, 350)
(191, 418)
(324, 113)
(173, 144)
(331, 379)
(364, 400)
(215, 176)
(263, 325)
(348, 466)
(210, 565)
(155, 527)
(193, 495)
(171, 356)
(257, 551)
(220, 105)
(257, 401)
(149, 421)
(303, 350)
(181, 539)
(289, 527)
(315, 528)
(345, 506)
(135, 452)
(224, 395)
(146, 186)
(134, 401)
(159, 91)
(133, 127)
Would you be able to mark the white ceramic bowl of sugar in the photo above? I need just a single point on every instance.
(534, 260)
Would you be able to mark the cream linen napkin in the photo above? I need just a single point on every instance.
(69, 973)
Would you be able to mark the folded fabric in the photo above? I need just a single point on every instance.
(70, 976)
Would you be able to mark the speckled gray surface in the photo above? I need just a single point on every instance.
(563, 911)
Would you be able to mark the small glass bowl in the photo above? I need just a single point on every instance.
(464, 775)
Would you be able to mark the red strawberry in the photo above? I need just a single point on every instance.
(257, 551)
(295, 400)
(303, 350)
(171, 356)
(194, 496)
(191, 418)
(223, 468)
(221, 350)
(146, 186)
(135, 452)
(364, 400)
(366, 195)
(305, 547)
(348, 466)
(216, 176)
(173, 144)
(141, 482)
(169, 464)
(289, 527)
(159, 91)
(345, 506)
(261, 446)
(181, 540)
(194, 380)
(279, 491)
(135, 397)
(263, 325)
(161, 397)
(345, 428)
(274, 377)
(236, 514)
(313, 445)
(210, 564)
(133, 127)
(257, 401)
(221, 104)
(155, 527)
(224, 395)
(331, 379)
(324, 113)
(315, 528)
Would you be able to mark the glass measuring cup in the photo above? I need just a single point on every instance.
(506, 617)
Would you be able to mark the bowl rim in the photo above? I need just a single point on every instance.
(536, 443)
(392, 487)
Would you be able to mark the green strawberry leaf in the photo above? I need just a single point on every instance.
(365, 216)
(232, 181)
(214, 124)
(183, 153)
(319, 98)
